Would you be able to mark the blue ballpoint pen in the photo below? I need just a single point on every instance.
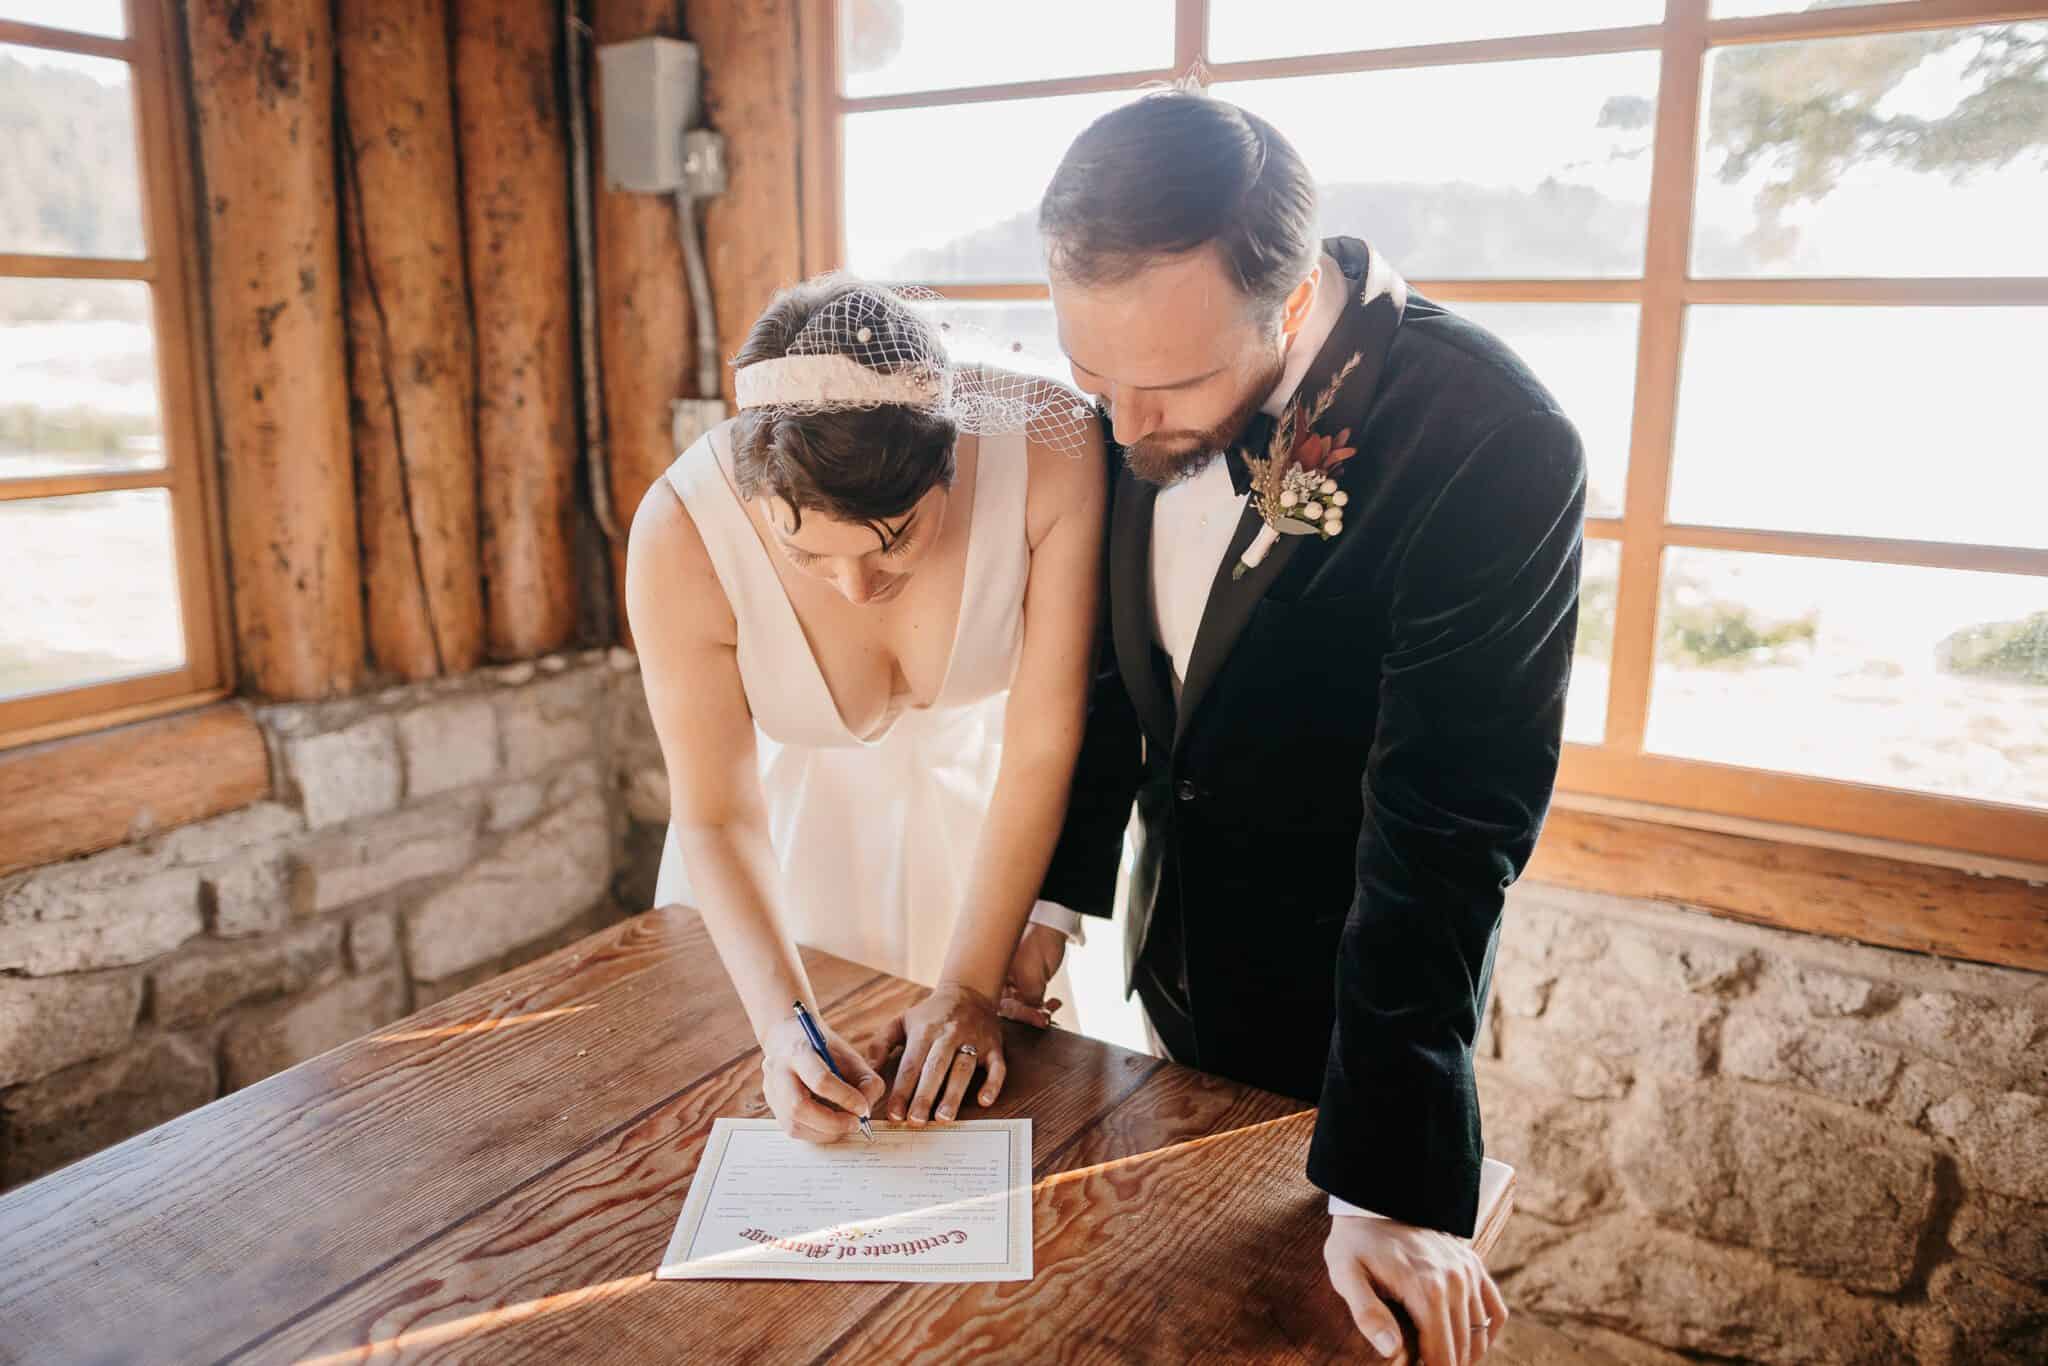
(803, 1017)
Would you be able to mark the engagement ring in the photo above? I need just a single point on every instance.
(968, 1049)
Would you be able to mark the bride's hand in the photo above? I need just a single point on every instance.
(809, 1102)
(935, 1068)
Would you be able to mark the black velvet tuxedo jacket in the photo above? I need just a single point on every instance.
(1362, 755)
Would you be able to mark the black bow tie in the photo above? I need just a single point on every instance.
(1256, 437)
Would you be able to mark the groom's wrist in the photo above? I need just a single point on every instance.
(1067, 921)
(1341, 1206)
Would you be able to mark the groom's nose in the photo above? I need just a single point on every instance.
(1132, 416)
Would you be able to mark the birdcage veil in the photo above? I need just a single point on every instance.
(876, 345)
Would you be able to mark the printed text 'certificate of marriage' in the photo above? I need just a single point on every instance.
(949, 1202)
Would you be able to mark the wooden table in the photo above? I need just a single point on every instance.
(495, 1179)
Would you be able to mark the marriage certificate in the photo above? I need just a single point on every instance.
(945, 1202)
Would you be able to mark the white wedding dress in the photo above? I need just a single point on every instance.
(873, 837)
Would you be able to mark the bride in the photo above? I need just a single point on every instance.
(834, 595)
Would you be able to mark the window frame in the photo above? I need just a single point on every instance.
(153, 50)
(1619, 769)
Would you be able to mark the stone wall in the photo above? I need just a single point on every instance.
(1739, 1142)
(418, 840)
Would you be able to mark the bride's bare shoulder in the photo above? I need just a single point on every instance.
(672, 590)
(1065, 447)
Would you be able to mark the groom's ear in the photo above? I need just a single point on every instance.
(1295, 311)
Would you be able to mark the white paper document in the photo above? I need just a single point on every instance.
(948, 1202)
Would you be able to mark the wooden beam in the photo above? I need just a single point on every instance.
(1987, 559)
(1879, 17)
(263, 89)
(69, 797)
(16, 33)
(515, 176)
(646, 334)
(412, 371)
(40, 267)
(1887, 902)
(820, 149)
(753, 237)
(65, 485)
(1974, 291)
(1995, 829)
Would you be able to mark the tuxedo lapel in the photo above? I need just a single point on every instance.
(1231, 602)
(1130, 579)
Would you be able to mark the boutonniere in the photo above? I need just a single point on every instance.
(1294, 485)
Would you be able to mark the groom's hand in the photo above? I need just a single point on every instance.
(1039, 954)
(1457, 1310)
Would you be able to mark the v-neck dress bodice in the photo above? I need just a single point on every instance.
(873, 836)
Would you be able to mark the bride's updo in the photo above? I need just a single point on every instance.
(861, 465)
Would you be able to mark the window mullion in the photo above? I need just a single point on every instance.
(1679, 79)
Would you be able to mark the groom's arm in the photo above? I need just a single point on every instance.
(1082, 875)
(1471, 715)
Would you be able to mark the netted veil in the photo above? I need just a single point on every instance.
(877, 345)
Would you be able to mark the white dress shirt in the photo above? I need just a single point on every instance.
(1192, 526)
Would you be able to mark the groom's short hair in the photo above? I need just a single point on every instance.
(1173, 172)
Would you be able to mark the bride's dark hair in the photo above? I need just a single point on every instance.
(865, 465)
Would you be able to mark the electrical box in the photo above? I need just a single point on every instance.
(650, 94)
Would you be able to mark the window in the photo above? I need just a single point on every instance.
(107, 567)
(1782, 261)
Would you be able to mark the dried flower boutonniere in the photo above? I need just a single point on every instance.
(1294, 485)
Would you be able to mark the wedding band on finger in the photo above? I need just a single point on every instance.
(970, 1050)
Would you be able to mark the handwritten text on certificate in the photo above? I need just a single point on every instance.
(950, 1202)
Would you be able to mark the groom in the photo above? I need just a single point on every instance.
(1340, 733)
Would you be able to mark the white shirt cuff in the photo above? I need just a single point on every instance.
(1346, 1207)
(1054, 916)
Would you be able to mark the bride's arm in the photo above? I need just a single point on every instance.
(1041, 737)
(684, 630)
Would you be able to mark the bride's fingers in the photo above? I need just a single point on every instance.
(907, 1076)
(993, 1087)
(812, 1072)
(956, 1085)
(932, 1078)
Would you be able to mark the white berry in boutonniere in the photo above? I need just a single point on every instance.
(1294, 486)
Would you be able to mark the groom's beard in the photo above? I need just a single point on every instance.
(1166, 458)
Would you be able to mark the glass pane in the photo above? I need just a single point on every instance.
(887, 46)
(68, 183)
(88, 589)
(1244, 30)
(1895, 154)
(1558, 189)
(978, 219)
(1917, 423)
(104, 17)
(1930, 679)
(1585, 704)
(988, 332)
(1585, 354)
(1736, 9)
(77, 378)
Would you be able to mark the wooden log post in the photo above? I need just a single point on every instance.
(515, 183)
(753, 237)
(263, 88)
(645, 330)
(412, 364)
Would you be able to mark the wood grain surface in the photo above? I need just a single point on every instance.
(495, 1179)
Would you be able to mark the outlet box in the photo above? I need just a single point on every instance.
(650, 94)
